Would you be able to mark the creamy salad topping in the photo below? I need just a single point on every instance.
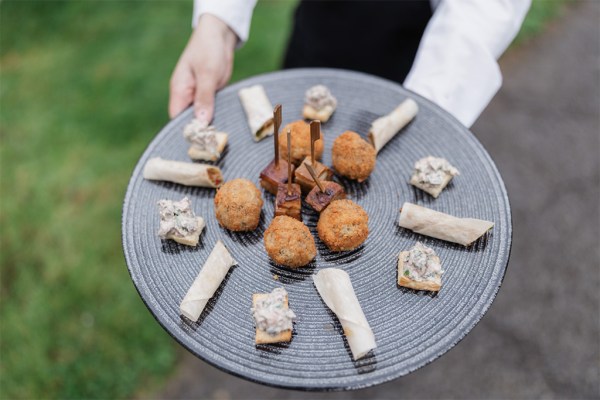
(421, 264)
(202, 136)
(432, 171)
(176, 218)
(270, 313)
(319, 97)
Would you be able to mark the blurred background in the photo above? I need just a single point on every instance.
(84, 88)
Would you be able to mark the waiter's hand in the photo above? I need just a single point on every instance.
(204, 67)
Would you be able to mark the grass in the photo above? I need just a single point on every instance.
(83, 89)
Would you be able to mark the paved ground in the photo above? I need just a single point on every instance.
(541, 337)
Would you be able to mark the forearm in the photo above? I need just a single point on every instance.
(456, 65)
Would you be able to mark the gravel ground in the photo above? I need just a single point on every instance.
(541, 337)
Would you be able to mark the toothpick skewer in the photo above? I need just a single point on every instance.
(277, 124)
(315, 134)
(289, 151)
(314, 176)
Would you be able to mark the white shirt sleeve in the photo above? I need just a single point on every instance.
(237, 14)
(455, 65)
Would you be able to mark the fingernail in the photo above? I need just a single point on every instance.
(201, 116)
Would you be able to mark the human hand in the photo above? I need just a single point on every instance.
(204, 67)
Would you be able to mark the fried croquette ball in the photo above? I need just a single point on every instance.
(343, 225)
(289, 242)
(352, 156)
(300, 142)
(238, 204)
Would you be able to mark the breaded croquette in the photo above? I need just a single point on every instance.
(300, 142)
(352, 156)
(343, 225)
(238, 205)
(289, 242)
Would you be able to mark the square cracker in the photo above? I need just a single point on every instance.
(434, 191)
(192, 239)
(308, 112)
(409, 283)
(262, 337)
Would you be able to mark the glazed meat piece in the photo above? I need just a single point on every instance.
(343, 225)
(238, 204)
(300, 142)
(289, 242)
(305, 180)
(289, 204)
(319, 200)
(274, 175)
(352, 156)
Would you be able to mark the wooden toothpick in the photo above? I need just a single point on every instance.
(315, 134)
(314, 176)
(277, 124)
(289, 149)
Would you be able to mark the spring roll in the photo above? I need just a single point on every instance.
(184, 173)
(259, 111)
(385, 128)
(207, 282)
(442, 226)
(336, 290)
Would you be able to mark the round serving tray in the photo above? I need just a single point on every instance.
(411, 328)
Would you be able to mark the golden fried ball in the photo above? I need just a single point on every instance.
(300, 142)
(238, 204)
(289, 242)
(352, 156)
(343, 225)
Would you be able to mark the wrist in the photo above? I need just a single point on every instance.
(214, 25)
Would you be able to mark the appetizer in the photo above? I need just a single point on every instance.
(289, 242)
(258, 110)
(289, 201)
(238, 204)
(319, 103)
(385, 128)
(319, 198)
(352, 156)
(303, 177)
(300, 142)
(178, 222)
(442, 226)
(432, 175)
(272, 317)
(289, 196)
(420, 269)
(205, 142)
(323, 193)
(277, 172)
(343, 225)
(337, 292)
(184, 173)
(305, 180)
(207, 282)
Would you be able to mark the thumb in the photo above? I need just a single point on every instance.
(204, 98)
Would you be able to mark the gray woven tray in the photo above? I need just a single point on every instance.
(411, 328)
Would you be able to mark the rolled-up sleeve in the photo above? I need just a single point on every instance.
(237, 14)
(456, 65)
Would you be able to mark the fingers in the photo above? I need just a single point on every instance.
(181, 91)
(204, 98)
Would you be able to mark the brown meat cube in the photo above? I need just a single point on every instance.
(304, 178)
(272, 176)
(320, 200)
(289, 204)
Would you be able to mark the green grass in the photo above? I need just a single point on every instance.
(83, 89)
